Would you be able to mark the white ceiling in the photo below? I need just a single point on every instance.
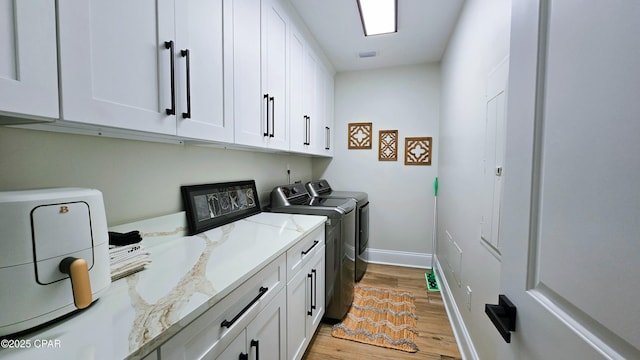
(424, 28)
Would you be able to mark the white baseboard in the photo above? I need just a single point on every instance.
(399, 258)
(465, 345)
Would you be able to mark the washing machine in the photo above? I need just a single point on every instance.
(322, 190)
(339, 241)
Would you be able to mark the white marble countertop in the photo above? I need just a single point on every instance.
(188, 275)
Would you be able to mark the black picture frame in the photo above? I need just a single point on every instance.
(208, 206)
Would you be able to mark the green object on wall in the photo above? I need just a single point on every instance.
(435, 187)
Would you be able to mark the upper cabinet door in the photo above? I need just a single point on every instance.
(199, 68)
(246, 101)
(311, 100)
(114, 67)
(28, 67)
(259, 67)
(328, 112)
(275, 27)
(298, 112)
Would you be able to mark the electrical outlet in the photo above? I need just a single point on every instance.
(469, 297)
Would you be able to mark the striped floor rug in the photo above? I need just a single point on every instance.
(381, 317)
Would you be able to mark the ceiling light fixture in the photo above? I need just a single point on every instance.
(378, 16)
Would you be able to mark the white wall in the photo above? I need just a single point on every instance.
(479, 43)
(406, 99)
(138, 179)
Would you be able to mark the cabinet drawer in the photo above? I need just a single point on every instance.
(219, 325)
(304, 250)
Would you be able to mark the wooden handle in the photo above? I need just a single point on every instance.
(80, 283)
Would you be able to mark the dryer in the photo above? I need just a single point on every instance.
(322, 189)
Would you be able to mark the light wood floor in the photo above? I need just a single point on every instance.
(435, 340)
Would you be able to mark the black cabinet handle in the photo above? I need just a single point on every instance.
(306, 130)
(185, 53)
(228, 324)
(310, 277)
(266, 97)
(273, 116)
(172, 111)
(243, 356)
(328, 134)
(503, 316)
(315, 287)
(305, 252)
(256, 343)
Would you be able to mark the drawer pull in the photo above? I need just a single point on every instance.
(273, 116)
(266, 97)
(185, 53)
(228, 324)
(169, 46)
(256, 343)
(243, 356)
(315, 287)
(310, 312)
(315, 242)
(328, 138)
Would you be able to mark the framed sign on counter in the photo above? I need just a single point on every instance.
(211, 205)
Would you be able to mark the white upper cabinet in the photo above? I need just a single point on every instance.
(122, 65)
(199, 78)
(275, 27)
(260, 32)
(199, 35)
(243, 72)
(311, 99)
(28, 67)
(325, 97)
(114, 68)
(246, 100)
(299, 95)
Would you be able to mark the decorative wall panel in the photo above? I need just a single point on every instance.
(360, 135)
(417, 151)
(388, 145)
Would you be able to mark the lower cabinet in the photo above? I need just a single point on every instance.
(271, 316)
(318, 303)
(264, 338)
(305, 304)
(235, 314)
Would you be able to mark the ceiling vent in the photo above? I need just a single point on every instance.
(367, 54)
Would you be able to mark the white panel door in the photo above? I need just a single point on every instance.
(114, 67)
(274, 73)
(313, 100)
(570, 224)
(298, 306)
(199, 91)
(236, 350)
(266, 334)
(249, 106)
(318, 285)
(328, 113)
(28, 66)
(298, 123)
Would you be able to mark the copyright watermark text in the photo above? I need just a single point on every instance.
(30, 343)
